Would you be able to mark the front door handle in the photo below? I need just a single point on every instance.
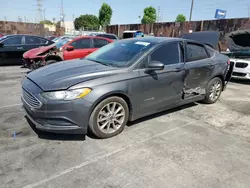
(19, 48)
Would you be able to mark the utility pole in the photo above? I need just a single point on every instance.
(73, 16)
(5, 18)
(191, 10)
(248, 11)
(44, 18)
(39, 10)
(158, 14)
(62, 16)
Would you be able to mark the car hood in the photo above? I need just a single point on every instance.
(238, 41)
(210, 38)
(62, 75)
(37, 51)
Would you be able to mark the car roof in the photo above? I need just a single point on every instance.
(154, 39)
(23, 35)
(79, 37)
(106, 34)
(131, 31)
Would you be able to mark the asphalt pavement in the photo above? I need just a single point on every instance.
(196, 145)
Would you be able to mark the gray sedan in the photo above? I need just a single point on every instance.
(124, 81)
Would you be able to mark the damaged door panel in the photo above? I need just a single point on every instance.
(198, 70)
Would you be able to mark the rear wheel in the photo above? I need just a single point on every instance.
(213, 90)
(109, 117)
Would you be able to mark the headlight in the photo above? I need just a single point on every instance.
(67, 94)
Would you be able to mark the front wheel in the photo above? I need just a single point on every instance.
(213, 90)
(109, 117)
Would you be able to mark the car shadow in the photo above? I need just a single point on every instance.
(56, 136)
(163, 113)
(240, 81)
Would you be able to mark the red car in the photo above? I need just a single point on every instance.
(65, 49)
(1, 34)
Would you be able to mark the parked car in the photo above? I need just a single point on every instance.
(61, 38)
(39, 57)
(122, 81)
(51, 37)
(239, 53)
(108, 36)
(1, 34)
(12, 47)
(132, 34)
(66, 49)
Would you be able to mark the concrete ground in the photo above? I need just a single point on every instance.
(196, 145)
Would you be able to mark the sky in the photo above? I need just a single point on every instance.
(124, 12)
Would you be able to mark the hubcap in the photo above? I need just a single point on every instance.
(111, 117)
(215, 91)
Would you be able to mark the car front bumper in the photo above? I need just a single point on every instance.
(241, 69)
(68, 117)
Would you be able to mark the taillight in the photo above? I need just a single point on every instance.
(228, 62)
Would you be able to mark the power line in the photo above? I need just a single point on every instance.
(158, 13)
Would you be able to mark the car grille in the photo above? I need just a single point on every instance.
(241, 65)
(30, 99)
(239, 74)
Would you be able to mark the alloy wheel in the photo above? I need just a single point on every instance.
(111, 117)
(215, 91)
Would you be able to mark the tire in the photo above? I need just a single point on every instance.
(102, 117)
(51, 62)
(214, 86)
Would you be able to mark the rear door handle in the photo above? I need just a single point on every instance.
(19, 48)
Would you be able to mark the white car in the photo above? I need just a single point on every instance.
(239, 53)
(241, 68)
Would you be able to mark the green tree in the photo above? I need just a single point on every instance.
(47, 22)
(105, 14)
(180, 18)
(149, 16)
(87, 21)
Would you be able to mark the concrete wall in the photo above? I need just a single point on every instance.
(172, 29)
(7, 27)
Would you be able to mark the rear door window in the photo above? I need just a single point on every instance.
(98, 43)
(81, 43)
(195, 52)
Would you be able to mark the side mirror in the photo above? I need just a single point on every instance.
(155, 65)
(70, 48)
(1, 45)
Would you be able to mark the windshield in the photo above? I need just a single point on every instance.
(120, 53)
(55, 39)
(60, 43)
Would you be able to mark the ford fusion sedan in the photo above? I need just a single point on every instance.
(123, 81)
